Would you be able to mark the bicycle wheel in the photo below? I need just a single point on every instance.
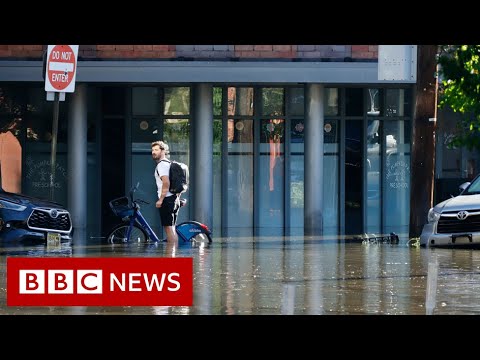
(201, 239)
(118, 235)
(193, 231)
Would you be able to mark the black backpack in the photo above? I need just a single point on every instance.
(179, 177)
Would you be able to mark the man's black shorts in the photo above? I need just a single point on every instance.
(169, 210)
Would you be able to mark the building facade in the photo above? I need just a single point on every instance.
(281, 140)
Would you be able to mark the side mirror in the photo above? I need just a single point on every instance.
(462, 187)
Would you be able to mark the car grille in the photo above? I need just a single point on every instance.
(452, 225)
(40, 219)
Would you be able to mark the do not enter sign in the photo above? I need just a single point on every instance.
(61, 68)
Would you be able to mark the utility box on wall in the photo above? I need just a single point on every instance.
(397, 63)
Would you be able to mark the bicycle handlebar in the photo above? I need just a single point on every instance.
(132, 191)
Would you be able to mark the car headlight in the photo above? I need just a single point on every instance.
(433, 216)
(11, 206)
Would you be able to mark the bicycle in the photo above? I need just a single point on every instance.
(135, 228)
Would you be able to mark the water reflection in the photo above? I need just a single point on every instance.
(270, 276)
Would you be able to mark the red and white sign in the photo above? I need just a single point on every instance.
(99, 281)
(61, 68)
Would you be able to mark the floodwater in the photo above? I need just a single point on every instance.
(273, 276)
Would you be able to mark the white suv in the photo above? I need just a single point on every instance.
(455, 222)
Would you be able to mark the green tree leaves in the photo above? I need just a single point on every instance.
(460, 90)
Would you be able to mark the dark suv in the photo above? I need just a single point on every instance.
(27, 218)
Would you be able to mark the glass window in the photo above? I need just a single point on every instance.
(330, 132)
(240, 101)
(296, 179)
(271, 197)
(374, 102)
(36, 151)
(398, 102)
(177, 101)
(217, 101)
(297, 130)
(39, 121)
(296, 101)
(354, 101)
(331, 102)
(373, 218)
(145, 130)
(396, 176)
(36, 100)
(273, 101)
(144, 101)
(272, 130)
(217, 173)
(239, 197)
(113, 101)
(240, 131)
(176, 131)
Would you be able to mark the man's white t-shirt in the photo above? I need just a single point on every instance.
(162, 169)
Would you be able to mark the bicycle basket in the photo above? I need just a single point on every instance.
(121, 206)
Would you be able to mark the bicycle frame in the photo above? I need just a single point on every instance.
(138, 217)
(185, 230)
(130, 213)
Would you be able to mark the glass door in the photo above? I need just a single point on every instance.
(353, 177)
(239, 178)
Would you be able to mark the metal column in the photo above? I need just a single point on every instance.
(77, 157)
(313, 188)
(201, 185)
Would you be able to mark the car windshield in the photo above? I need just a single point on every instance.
(474, 187)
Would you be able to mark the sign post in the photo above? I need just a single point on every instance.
(60, 73)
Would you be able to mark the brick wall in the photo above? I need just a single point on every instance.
(204, 52)
(21, 51)
(132, 51)
(365, 51)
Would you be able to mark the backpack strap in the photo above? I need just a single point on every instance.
(166, 160)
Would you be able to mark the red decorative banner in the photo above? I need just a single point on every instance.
(99, 281)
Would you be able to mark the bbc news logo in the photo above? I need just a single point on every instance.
(99, 281)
